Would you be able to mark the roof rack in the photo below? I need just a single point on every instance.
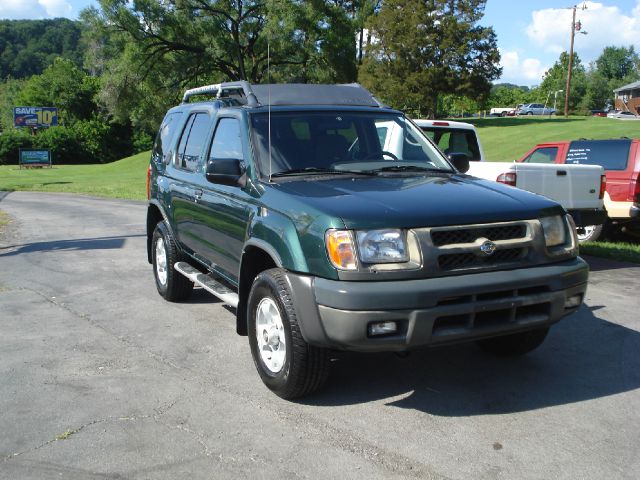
(220, 88)
(351, 94)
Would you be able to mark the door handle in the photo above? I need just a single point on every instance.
(561, 173)
(197, 193)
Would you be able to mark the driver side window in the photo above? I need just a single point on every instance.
(226, 141)
(543, 155)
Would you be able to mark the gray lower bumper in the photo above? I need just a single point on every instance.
(336, 314)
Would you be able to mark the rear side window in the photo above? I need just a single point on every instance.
(543, 155)
(455, 140)
(611, 154)
(165, 135)
(193, 138)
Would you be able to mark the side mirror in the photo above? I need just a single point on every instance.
(225, 171)
(460, 161)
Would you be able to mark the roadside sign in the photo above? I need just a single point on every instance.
(35, 117)
(34, 158)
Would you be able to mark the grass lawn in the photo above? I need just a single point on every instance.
(125, 178)
(507, 139)
(623, 252)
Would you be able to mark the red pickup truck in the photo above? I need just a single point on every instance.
(621, 161)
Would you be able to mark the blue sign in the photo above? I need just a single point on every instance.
(35, 116)
(34, 158)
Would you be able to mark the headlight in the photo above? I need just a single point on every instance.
(340, 249)
(555, 232)
(382, 246)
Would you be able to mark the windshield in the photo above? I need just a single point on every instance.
(343, 142)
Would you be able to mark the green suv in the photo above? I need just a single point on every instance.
(329, 221)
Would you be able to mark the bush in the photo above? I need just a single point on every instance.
(142, 142)
(65, 144)
(11, 141)
(89, 141)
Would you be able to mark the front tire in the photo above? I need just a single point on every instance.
(170, 284)
(287, 365)
(514, 344)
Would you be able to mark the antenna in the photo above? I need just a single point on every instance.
(269, 109)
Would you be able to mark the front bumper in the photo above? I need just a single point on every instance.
(435, 311)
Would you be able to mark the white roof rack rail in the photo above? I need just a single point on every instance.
(219, 89)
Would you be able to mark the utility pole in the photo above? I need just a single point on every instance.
(574, 27)
(568, 88)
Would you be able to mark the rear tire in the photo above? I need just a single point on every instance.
(170, 284)
(514, 344)
(589, 233)
(287, 365)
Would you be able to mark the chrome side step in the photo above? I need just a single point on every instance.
(207, 282)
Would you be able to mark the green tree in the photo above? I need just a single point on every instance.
(421, 50)
(617, 63)
(555, 79)
(9, 91)
(506, 95)
(599, 91)
(62, 85)
(27, 47)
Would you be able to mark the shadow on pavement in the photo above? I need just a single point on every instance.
(598, 264)
(102, 243)
(583, 358)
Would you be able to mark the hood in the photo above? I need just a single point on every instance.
(411, 202)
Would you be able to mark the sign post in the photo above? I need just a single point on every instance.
(29, 157)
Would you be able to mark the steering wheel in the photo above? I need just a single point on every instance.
(381, 153)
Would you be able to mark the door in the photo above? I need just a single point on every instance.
(224, 210)
(185, 175)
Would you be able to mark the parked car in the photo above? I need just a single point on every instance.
(502, 111)
(535, 109)
(621, 161)
(623, 115)
(598, 113)
(578, 188)
(281, 201)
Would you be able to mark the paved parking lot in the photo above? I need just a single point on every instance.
(100, 378)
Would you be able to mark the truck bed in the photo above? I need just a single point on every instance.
(575, 187)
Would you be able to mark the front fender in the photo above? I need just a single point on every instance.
(277, 235)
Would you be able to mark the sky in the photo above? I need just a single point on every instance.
(531, 34)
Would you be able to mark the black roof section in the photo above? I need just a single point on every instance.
(351, 94)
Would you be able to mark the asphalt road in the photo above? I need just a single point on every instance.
(101, 378)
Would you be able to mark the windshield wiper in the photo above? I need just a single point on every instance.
(407, 168)
(320, 171)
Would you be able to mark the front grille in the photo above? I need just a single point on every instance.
(454, 261)
(470, 235)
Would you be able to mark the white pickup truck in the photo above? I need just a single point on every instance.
(579, 190)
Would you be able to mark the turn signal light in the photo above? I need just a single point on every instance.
(508, 178)
(340, 249)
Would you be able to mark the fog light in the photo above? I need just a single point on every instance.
(382, 328)
(573, 302)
